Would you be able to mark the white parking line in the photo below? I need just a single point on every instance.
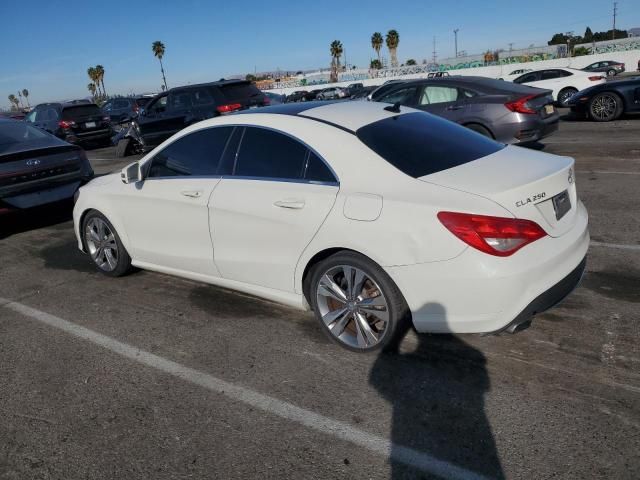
(620, 246)
(288, 411)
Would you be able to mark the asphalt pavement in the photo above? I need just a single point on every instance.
(154, 377)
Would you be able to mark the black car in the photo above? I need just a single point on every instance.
(353, 88)
(311, 95)
(609, 67)
(124, 108)
(505, 111)
(297, 96)
(383, 89)
(607, 101)
(37, 168)
(177, 108)
(78, 122)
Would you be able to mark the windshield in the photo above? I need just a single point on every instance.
(420, 144)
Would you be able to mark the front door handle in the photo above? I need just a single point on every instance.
(192, 193)
(293, 204)
(455, 107)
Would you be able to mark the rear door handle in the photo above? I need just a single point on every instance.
(192, 193)
(455, 107)
(293, 204)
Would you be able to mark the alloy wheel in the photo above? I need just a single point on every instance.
(101, 243)
(604, 107)
(565, 96)
(352, 306)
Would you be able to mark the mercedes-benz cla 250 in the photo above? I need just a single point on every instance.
(373, 216)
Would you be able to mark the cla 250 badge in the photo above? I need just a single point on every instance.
(533, 199)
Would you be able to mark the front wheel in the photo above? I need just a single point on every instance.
(104, 245)
(565, 95)
(357, 304)
(605, 107)
(611, 73)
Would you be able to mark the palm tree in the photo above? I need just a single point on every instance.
(376, 42)
(375, 64)
(25, 94)
(92, 88)
(20, 99)
(14, 102)
(336, 52)
(93, 76)
(100, 75)
(393, 39)
(158, 51)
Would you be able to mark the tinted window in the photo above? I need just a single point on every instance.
(20, 132)
(317, 171)
(550, 74)
(265, 153)
(122, 103)
(50, 114)
(529, 77)
(159, 105)
(180, 100)
(404, 95)
(419, 144)
(70, 113)
(236, 91)
(195, 154)
(201, 96)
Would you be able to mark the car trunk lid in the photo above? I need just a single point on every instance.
(86, 118)
(531, 185)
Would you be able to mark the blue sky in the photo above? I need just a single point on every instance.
(49, 45)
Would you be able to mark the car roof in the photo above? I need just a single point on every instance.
(342, 114)
(487, 85)
(219, 83)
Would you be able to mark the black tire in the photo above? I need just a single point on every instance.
(565, 94)
(479, 129)
(605, 107)
(122, 263)
(397, 311)
(611, 73)
(123, 149)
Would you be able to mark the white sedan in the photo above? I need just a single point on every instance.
(374, 216)
(565, 82)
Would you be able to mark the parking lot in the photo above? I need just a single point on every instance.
(151, 376)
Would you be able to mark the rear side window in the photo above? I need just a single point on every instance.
(529, 77)
(195, 154)
(238, 91)
(268, 154)
(71, 113)
(420, 144)
(317, 170)
(120, 103)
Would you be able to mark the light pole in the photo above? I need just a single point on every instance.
(455, 34)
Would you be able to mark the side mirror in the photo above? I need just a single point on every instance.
(131, 173)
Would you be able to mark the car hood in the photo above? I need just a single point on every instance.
(103, 180)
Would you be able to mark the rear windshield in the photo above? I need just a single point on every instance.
(420, 144)
(237, 91)
(70, 113)
(12, 133)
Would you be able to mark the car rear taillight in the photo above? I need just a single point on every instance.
(66, 123)
(596, 78)
(231, 107)
(493, 235)
(266, 101)
(520, 105)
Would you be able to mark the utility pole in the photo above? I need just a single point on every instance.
(435, 57)
(455, 33)
(615, 12)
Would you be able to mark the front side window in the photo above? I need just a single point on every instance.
(419, 144)
(160, 105)
(404, 95)
(529, 77)
(195, 154)
(268, 154)
(180, 101)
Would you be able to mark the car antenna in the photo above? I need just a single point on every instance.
(395, 108)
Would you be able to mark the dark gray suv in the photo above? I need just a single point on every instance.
(507, 112)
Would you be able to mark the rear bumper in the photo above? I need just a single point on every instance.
(87, 137)
(527, 128)
(479, 293)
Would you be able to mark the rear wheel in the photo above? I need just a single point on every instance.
(104, 246)
(357, 304)
(480, 129)
(605, 107)
(565, 94)
(611, 73)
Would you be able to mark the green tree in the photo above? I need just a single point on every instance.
(411, 61)
(25, 94)
(588, 36)
(250, 77)
(15, 103)
(336, 52)
(558, 39)
(100, 77)
(93, 76)
(393, 40)
(92, 88)
(158, 51)
(375, 64)
(376, 43)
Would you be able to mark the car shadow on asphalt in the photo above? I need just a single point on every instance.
(437, 396)
(35, 218)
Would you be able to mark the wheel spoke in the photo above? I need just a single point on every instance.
(349, 273)
(365, 335)
(329, 288)
(334, 315)
(110, 258)
(340, 325)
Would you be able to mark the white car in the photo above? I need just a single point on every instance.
(372, 215)
(515, 74)
(331, 93)
(565, 82)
